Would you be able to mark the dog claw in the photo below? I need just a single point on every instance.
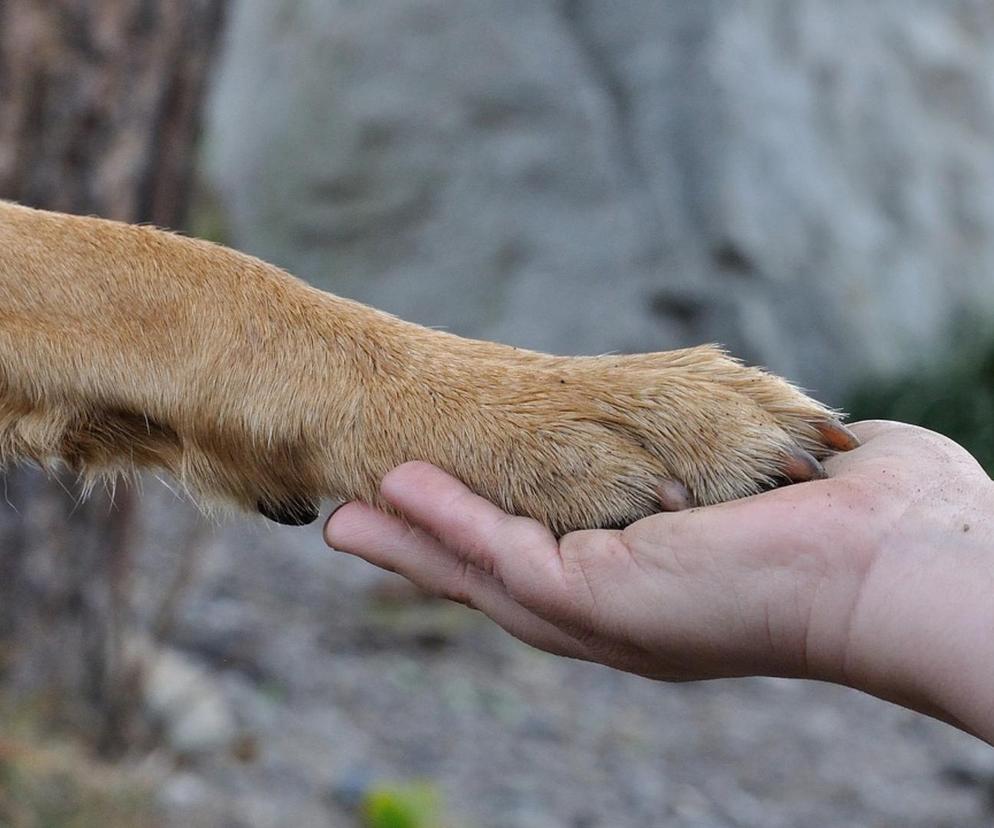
(837, 437)
(294, 512)
(802, 467)
(673, 496)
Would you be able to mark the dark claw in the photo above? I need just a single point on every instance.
(673, 496)
(837, 437)
(297, 511)
(801, 467)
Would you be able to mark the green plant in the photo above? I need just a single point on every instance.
(954, 397)
(414, 805)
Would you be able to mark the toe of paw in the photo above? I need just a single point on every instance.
(800, 466)
(836, 436)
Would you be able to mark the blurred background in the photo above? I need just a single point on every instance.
(810, 183)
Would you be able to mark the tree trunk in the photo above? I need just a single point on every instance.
(99, 114)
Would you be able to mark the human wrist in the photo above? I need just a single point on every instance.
(921, 628)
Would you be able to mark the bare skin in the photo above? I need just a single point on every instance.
(879, 577)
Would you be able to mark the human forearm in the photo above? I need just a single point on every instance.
(922, 634)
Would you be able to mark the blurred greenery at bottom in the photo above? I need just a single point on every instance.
(50, 782)
(415, 805)
(953, 396)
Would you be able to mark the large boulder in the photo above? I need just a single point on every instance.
(806, 182)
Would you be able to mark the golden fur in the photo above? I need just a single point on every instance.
(124, 346)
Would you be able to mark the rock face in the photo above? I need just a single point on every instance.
(808, 182)
(185, 702)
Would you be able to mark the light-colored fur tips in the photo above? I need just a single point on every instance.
(124, 347)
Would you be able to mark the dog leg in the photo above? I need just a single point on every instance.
(125, 347)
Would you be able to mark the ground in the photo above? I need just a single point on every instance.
(342, 680)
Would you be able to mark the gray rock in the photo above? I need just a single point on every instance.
(186, 702)
(807, 182)
(509, 736)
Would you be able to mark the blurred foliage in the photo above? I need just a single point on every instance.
(51, 783)
(954, 396)
(415, 805)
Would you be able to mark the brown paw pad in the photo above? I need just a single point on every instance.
(297, 511)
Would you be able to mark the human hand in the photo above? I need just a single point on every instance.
(879, 577)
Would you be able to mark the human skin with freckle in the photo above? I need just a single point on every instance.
(879, 577)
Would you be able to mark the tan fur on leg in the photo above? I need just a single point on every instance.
(126, 346)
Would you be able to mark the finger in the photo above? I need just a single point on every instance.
(906, 449)
(358, 529)
(866, 430)
(713, 542)
(519, 552)
(387, 542)
(491, 598)
(873, 437)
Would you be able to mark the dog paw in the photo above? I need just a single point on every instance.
(596, 442)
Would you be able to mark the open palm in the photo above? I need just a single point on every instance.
(839, 579)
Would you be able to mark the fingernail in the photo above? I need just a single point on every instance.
(327, 521)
